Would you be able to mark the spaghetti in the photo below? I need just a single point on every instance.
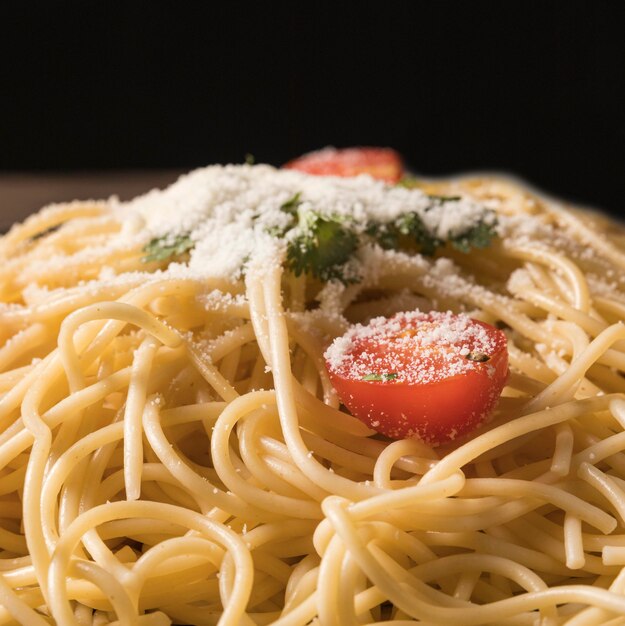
(172, 450)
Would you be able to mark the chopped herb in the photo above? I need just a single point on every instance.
(412, 225)
(478, 357)
(479, 236)
(407, 232)
(385, 235)
(291, 205)
(163, 248)
(444, 198)
(249, 159)
(243, 269)
(321, 246)
(275, 231)
(410, 182)
(380, 377)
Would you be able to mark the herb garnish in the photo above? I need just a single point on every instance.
(290, 206)
(444, 198)
(321, 245)
(374, 376)
(163, 248)
(479, 236)
(410, 182)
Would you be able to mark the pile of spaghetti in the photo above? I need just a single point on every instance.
(172, 449)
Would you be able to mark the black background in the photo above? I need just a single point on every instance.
(532, 88)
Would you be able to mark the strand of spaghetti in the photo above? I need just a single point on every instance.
(55, 479)
(235, 608)
(254, 442)
(487, 543)
(558, 263)
(391, 454)
(230, 341)
(563, 451)
(14, 397)
(287, 506)
(27, 339)
(19, 610)
(65, 409)
(587, 235)
(509, 431)
(605, 485)
(133, 414)
(107, 310)
(342, 425)
(146, 295)
(302, 614)
(35, 470)
(594, 615)
(458, 563)
(373, 596)
(330, 609)
(292, 476)
(548, 493)
(47, 218)
(151, 563)
(258, 312)
(414, 606)
(211, 374)
(444, 488)
(612, 306)
(578, 368)
(112, 587)
(564, 311)
(315, 353)
(157, 618)
(573, 541)
(210, 494)
(66, 464)
(604, 449)
(278, 340)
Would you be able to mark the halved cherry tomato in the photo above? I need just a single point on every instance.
(382, 163)
(434, 376)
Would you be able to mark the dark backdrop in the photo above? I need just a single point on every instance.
(535, 88)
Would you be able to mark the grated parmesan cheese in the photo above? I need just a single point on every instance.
(238, 204)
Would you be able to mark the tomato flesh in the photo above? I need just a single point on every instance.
(434, 376)
(381, 163)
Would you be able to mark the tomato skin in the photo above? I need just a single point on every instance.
(435, 411)
(381, 163)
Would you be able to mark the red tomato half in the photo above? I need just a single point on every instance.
(434, 376)
(382, 163)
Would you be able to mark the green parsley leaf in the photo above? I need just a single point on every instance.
(444, 198)
(385, 235)
(292, 204)
(479, 236)
(249, 158)
(412, 225)
(407, 232)
(410, 182)
(163, 248)
(380, 377)
(320, 246)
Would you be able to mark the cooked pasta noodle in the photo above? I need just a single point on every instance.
(172, 450)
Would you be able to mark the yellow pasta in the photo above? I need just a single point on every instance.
(172, 450)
